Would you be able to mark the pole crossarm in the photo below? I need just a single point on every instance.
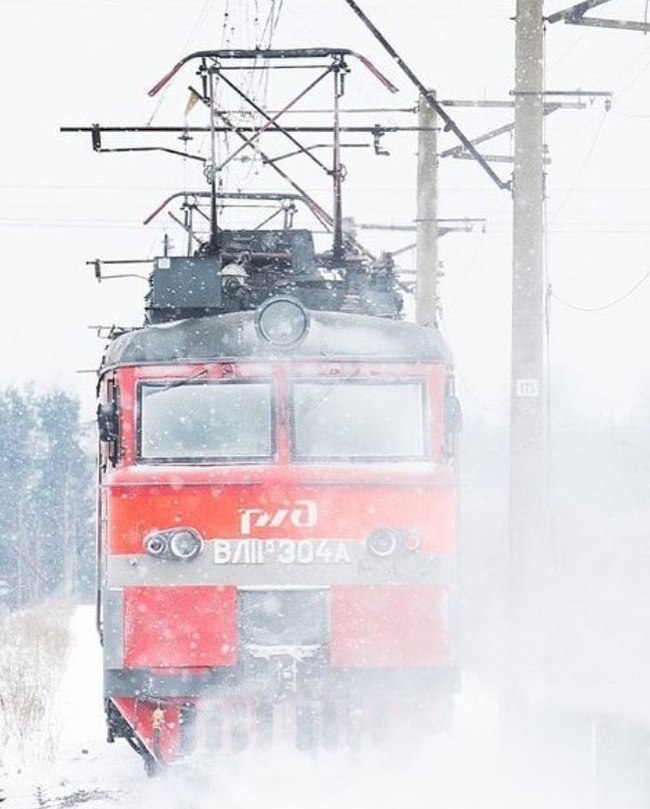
(504, 104)
(621, 25)
(461, 152)
(575, 12)
(457, 151)
(464, 224)
(576, 15)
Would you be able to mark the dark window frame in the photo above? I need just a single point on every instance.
(208, 460)
(427, 455)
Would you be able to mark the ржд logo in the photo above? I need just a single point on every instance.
(303, 514)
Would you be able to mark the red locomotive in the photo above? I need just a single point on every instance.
(277, 498)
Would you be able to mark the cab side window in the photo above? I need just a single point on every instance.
(108, 425)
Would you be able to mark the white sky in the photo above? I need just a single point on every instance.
(69, 62)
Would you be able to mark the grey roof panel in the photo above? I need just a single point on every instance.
(332, 335)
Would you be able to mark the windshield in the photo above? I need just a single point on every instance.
(206, 420)
(363, 420)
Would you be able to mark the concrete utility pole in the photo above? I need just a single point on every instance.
(426, 256)
(529, 551)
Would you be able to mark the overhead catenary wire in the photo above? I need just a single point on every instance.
(75, 221)
(609, 305)
(581, 170)
(257, 28)
(568, 51)
(638, 116)
(626, 89)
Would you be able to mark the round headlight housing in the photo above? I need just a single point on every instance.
(411, 541)
(185, 543)
(175, 543)
(156, 544)
(382, 542)
(283, 322)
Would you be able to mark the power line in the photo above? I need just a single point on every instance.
(72, 223)
(583, 166)
(637, 116)
(568, 51)
(605, 306)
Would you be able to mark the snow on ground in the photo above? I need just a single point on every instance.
(461, 771)
(85, 769)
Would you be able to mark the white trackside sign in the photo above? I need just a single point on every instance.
(303, 514)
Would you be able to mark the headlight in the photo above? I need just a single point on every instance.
(411, 541)
(382, 542)
(177, 543)
(284, 322)
(185, 544)
(156, 544)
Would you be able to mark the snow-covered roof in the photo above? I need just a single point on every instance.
(331, 335)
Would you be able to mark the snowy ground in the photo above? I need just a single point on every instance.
(461, 771)
(85, 769)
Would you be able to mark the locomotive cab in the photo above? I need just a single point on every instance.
(277, 529)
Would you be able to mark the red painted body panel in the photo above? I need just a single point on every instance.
(344, 512)
(180, 627)
(389, 626)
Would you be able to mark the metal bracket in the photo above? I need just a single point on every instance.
(377, 135)
(575, 15)
(97, 264)
(459, 152)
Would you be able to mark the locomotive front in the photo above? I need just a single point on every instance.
(277, 534)
(277, 485)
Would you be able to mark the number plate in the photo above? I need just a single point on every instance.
(281, 551)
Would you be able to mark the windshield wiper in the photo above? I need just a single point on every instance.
(327, 382)
(177, 383)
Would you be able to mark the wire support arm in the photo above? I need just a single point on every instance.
(164, 149)
(576, 12)
(576, 15)
(449, 123)
(622, 25)
(460, 152)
